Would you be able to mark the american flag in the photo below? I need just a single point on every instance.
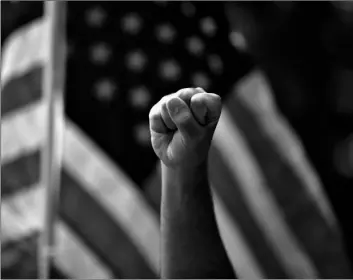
(123, 57)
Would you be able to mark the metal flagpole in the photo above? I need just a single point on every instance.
(53, 81)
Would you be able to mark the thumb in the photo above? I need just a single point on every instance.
(183, 118)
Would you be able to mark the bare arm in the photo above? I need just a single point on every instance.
(191, 244)
(182, 127)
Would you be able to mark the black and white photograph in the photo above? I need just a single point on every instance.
(176, 139)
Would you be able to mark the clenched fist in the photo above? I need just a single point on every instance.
(182, 126)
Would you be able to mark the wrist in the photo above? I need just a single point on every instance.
(183, 187)
(183, 180)
(185, 172)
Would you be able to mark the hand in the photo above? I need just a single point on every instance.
(182, 126)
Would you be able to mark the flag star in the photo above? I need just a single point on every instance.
(208, 26)
(237, 39)
(105, 89)
(195, 45)
(95, 17)
(139, 97)
(215, 64)
(170, 70)
(343, 157)
(132, 23)
(136, 60)
(187, 9)
(200, 80)
(165, 33)
(142, 134)
(100, 53)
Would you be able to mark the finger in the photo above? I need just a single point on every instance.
(156, 122)
(198, 108)
(165, 114)
(183, 118)
(186, 94)
(213, 104)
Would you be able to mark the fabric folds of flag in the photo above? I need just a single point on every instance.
(273, 216)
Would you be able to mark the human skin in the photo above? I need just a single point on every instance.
(182, 126)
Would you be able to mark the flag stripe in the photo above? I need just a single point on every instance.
(238, 250)
(153, 188)
(261, 202)
(255, 103)
(116, 193)
(73, 200)
(30, 175)
(22, 131)
(29, 82)
(150, 248)
(148, 222)
(19, 260)
(227, 185)
(98, 229)
(21, 216)
(150, 245)
(26, 48)
(295, 199)
(289, 146)
(20, 174)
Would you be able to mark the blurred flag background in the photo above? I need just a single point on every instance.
(272, 207)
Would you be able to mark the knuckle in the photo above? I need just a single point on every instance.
(152, 116)
(214, 96)
(164, 99)
(186, 93)
(154, 112)
(217, 97)
(199, 89)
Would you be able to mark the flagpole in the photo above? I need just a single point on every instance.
(53, 97)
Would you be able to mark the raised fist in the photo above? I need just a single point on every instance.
(182, 126)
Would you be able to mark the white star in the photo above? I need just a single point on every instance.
(165, 33)
(95, 17)
(237, 39)
(139, 97)
(215, 64)
(188, 9)
(200, 80)
(170, 70)
(208, 26)
(100, 53)
(195, 45)
(131, 23)
(105, 89)
(136, 60)
(142, 134)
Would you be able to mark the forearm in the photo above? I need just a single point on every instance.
(191, 244)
